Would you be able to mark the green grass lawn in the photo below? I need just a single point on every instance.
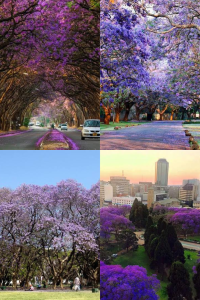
(121, 124)
(49, 296)
(140, 258)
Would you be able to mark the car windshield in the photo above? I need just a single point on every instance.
(64, 125)
(92, 123)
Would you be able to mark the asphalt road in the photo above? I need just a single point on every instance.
(188, 245)
(87, 144)
(163, 135)
(27, 140)
(23, 141)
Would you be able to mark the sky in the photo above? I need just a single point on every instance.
(48, 167)
(139, 165)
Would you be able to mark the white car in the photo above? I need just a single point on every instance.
(63, 127)
(114, 255)
(91, 129)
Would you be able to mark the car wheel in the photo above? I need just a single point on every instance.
(82, 138)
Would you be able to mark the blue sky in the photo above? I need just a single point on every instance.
(48, 167)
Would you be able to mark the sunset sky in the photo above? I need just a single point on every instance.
(139, 165)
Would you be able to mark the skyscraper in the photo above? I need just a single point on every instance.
(161, 172)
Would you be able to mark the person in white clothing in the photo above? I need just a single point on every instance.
(77, 283)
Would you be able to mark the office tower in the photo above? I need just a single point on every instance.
(121, 185)
(161, 172)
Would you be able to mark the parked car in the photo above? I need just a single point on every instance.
(37, 123)
(31, 124)
(63, 127)
(91, 129)
(114, 255)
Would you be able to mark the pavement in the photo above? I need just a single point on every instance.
(156, 135)
(27, 140)
(87, 144)
(189, 245)
(186, 245)
(23, 141)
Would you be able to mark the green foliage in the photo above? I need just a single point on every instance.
(163, 254)
(148, 232)
(196, 280)
(178, 252)
(26, 122)
(171, 235)
(161, 225)
(128, 238)
(138, 214)
(179, 285)
(152, 246)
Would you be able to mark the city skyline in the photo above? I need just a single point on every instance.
(140, 165)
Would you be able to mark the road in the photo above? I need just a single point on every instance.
(87, 144)
(188, 245)
(23, 141)
(163, 135)
(27, 140)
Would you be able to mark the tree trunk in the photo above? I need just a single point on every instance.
(126, 115)
(117, 115)
(149, 116)
(54, 283)
(107, 111)
(172, 114)
(137, 113)
(14, 280)
(61, 283)
(161, 116)
(107, 119)
(189, 115)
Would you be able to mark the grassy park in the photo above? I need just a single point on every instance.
(141, 259)
(49, 295)
(121, 124)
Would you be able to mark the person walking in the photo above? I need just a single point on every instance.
(77, 284)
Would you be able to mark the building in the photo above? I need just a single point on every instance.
(173, 191)
(144, 186)
(168, 203)
(188, 193)
(154, 196)
(106, 193)
(124, 200)
(121, 185)
(196, 182)
(196, 204)
(161, 172)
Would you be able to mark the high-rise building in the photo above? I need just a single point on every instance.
(106, 193)
(161, 172)
(120, 185)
